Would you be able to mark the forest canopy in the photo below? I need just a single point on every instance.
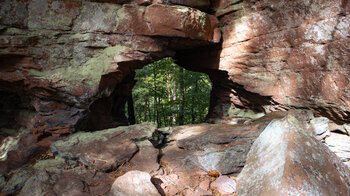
(168, 94)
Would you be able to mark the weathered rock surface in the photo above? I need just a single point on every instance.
(320, 127)
(287, 159)
(104, 150)
(224, 185)
(344, 128)
(340, 145)
(146, 159)
(71, 63)
(58, 176)
(17, 151)
(68, 66)
(17, 180)
(277, 55)
(218, 147)
(191, 161)
(196, 154)
(134, 183)
(73, 181)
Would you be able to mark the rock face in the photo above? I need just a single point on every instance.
(280, 54)
(70, 64)
(287, 160)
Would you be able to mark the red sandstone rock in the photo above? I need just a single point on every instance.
(66, 58)
(224, 185)
(287, 160)
(134, 183)
(288, 53)
(108, 149)
(273, 55)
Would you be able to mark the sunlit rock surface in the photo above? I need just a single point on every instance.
(287, 160)
(194, 151)
(280, 54)
(134, 183)
(340, 145)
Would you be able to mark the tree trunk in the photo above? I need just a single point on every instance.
(131, 112)
(192, 104)
(182, 95)
(145, 109)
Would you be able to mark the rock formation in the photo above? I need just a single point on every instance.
(277, 55)
(201, 159)
(69, 65)
(287, 160)
(67, 69)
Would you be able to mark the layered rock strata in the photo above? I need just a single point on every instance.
(279, 55)
(71, 63)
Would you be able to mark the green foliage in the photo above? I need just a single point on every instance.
(170, 95)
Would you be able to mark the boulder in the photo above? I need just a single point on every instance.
(320, 127)
(224, 185)
(287, 160)
(39, 184)
(72, 179)
(344, 128)
(206, 147)
(134, 183)
(104, 150)
(146, 159)
(17, 180)
(196, 154)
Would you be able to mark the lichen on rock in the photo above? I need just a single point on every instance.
(88, 75)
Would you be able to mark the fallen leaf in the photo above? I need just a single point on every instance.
(233, 178)
(214, 173)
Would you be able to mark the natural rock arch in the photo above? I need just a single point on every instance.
(268, 58)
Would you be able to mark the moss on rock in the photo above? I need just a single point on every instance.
(17, 181)
(51, 165)
(86, 76)
(134, 132)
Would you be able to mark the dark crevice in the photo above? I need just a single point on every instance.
(109, 111)
(159, 139)
(338, 132)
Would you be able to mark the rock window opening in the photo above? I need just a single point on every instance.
(169, 95)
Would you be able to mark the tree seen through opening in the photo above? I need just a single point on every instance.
(168, 94)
